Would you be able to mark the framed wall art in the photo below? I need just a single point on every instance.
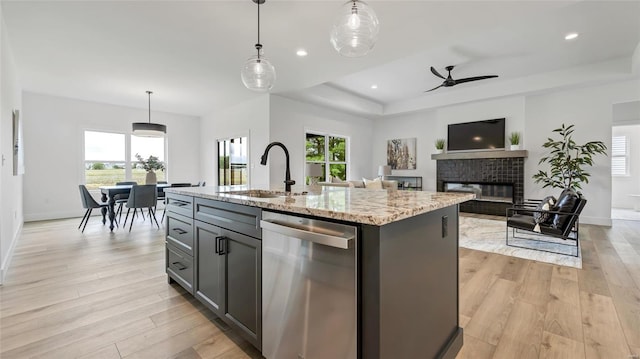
(401, 154)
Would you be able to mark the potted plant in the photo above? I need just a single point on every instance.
(514, 139)
(567, 159)
(440, 145)
(150, 165)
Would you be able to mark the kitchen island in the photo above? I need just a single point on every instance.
(405, 265)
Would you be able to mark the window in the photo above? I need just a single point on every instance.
(146, 146)
(232, 161)
(619, 156)
(104, 158)
(330, 151)
(106, 153)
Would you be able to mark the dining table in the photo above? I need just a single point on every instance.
(109, 193)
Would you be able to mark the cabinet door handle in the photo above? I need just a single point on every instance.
(179, 230)
(180, 204)
(221, 245)
(179, 265)
(218, 247)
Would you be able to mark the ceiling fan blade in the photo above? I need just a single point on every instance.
(433, 71)
(469, 79)
(434, 88)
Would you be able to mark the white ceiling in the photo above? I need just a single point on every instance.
(190, 53)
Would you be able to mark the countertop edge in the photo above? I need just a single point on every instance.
(401, 204)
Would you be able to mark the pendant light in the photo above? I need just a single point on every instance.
(148, 129)
(355, 31)
(257, 73)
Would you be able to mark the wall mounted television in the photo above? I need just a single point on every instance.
(487, 135)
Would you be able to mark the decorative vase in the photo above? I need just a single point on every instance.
(151, 178)
(515, 147)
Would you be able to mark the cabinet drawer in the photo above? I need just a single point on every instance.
(239, 218)
(180, 232)
(180, 204)
(180, 267)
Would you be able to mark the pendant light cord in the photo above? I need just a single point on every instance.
(149, 93)
(258, 45)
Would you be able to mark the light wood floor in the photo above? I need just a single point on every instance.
(102, 295)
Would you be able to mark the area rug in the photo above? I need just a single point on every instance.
(488, 235)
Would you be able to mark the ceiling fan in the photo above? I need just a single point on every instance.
(449, 81)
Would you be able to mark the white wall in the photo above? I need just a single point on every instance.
(430, 125)
(54, 149)
(623, 186)
(250, 118)
(425, 127)
(590, 110)
(11, 214)
(291, 119)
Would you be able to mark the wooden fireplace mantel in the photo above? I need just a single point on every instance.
(479, 154)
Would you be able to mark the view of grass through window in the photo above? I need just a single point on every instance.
(105, 158)
(232, 161)
(330, 152)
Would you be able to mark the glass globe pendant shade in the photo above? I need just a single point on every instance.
(355, 31)
(258, 74)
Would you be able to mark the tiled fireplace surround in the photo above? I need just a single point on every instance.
(507, 171)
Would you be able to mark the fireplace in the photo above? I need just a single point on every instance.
(491, 192)
(498, 182)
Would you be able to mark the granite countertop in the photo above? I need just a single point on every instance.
(359, 205)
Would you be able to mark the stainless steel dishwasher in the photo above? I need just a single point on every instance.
(309, 289)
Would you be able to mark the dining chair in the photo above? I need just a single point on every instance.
(142, 196)
(161, 196)
(165, 204)
(89, 203)
(122, 198)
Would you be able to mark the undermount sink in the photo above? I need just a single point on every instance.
(259, 193)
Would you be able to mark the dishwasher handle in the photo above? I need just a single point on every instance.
(307, 234)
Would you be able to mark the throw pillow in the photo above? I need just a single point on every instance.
(336, 180)
(542, 217)
(372, 184)
(566, 203)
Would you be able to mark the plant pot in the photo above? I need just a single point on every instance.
(515, 147)
(151, 178)
(439, 151)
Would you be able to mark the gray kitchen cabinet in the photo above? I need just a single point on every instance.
(210, 267)
(179, 267)
(242, 284)
(214, 251)
(179, 260)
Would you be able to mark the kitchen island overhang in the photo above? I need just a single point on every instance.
(407, 263)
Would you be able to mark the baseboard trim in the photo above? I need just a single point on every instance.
(33, 217)
(598, 221)
(6, 261)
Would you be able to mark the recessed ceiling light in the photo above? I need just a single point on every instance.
(571, 36)
(374, 86)
(301, 53)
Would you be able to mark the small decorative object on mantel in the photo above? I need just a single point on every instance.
(440, 145)
(150, 165)
(401, 154)
(514, 139)
(566, 160)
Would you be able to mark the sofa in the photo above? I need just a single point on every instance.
(359, 183)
